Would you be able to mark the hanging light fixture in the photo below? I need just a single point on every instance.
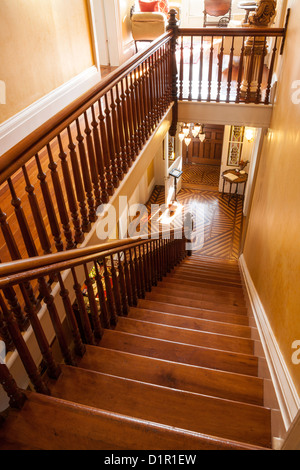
(202, 137)
(187, 141)
(186, 130)
(181, 135)
(196, 130)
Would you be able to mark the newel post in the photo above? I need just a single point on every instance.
(173, 26)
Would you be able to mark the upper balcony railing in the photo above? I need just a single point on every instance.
(227, 65)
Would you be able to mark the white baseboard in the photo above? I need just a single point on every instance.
(22, 124)
(287, 396)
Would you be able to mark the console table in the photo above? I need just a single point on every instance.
(241, 179)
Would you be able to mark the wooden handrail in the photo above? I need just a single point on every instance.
(232, 32)
(17, 156)
(30, 266)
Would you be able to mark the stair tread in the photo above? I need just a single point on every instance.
(208, 293)
(216, 280)
(175, 375)
(54, 424)
(188, 302)
(193, 280)
(187, 336)
(193, 323)
(186, 410)
(180, 352)
(193, 312)
(215, 304)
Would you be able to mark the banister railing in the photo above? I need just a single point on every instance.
(229, 65)
(74, 162)
(115, 276)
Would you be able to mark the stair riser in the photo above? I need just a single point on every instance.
(194, 312)
(211, 272)
(223, 305)
(207, 294)
(210, 282)
(196, 338)
(169, 407)
(193, 303)
(203, 285)
(182, 353)
(178, 376)
(209, 277)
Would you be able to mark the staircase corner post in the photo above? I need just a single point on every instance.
(173, 26)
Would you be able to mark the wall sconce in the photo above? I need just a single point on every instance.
(249, 135)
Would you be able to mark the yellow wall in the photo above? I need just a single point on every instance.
(272, 250)
(43, 44)
(125, 6)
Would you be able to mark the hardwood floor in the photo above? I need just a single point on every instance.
(221, 225)
(201, 177)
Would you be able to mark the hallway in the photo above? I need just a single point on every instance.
(222, 224)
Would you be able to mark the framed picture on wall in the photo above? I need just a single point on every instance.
(236, 142)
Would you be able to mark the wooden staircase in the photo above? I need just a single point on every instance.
(180, 372)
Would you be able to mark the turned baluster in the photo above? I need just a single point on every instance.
(210, 68)
(201, 69)
(268, 91)
(105, 319)
(135, 112)
(121, 133)
(109, 295)
(153, 264)
(54, 226)
(130, 114)
(98, 331)
(106, 151)
(230, 69)
(220, 71)
(191, 69)
(240, 73)
(116, 137)
(126, 134)
(55, 319)
(14, 250)
(79, 236)
(37, 216)
(16, 397)
(248, 98)
(111, 143)
(4, 335)
(123, 291)
(145, 267)
(61, 205)
(23, 350)
(64, 293)
(116, 287)
(80, 194)
(128, 280)
(22, 221)
(140, 83)
(181, 69)
(53, 369)
(142, 271)
(146, 74)
(85, 322)
(15, 307)
(137, 272)
(99, 158)
(149, 266)
(151, 93)
(155, 106)
(92, 161)
(133, 280)
(261, 71)
(86, 174)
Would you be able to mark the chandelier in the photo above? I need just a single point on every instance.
(191, 130)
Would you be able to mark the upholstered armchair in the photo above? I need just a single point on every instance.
(149, 25)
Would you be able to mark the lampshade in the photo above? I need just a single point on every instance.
(186, 130)
(249, 134)
(197, 129)
(187, 140)
(181, 136)
(202, 137)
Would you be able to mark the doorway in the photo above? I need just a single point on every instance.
(202, 160)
